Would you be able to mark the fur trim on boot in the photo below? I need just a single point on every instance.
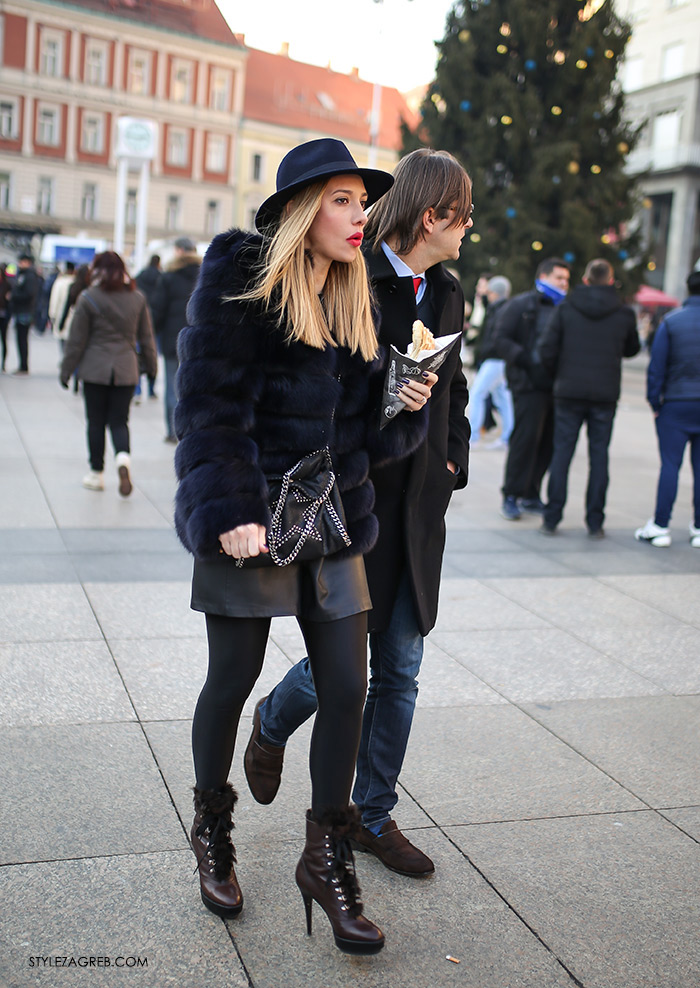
(214, 849)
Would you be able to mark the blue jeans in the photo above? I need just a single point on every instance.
(490, 380)
(677, 424)
(171, 365)
(395, 660)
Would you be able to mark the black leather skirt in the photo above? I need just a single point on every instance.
(322, 590)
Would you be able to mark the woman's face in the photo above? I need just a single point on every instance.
(336, 232)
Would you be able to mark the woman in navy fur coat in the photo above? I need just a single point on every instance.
(281, 359)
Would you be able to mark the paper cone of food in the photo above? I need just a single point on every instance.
(426, 353)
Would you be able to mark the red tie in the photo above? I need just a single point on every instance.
(416, 284)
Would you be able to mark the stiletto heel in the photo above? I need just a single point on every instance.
(326, 873)
(308, 905)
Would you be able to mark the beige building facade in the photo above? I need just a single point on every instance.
(661, 81)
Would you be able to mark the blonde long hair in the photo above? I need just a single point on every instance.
(345, 317)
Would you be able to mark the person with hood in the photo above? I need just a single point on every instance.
(582, 348)
(168, 307)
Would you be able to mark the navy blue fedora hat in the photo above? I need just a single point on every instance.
(312, 162)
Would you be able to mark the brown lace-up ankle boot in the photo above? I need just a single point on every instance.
(214, 850)
(326, 873)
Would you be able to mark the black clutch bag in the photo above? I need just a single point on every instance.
(308, 520)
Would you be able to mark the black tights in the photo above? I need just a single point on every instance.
(338, 655)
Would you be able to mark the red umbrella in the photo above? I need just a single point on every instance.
(649, 297)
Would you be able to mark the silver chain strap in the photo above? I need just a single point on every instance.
(305, 531)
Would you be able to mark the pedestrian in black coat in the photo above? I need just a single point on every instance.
(518, 327)
(23, 296)
(419, 224)
(168, 307)
(582, 347)
(280, 359)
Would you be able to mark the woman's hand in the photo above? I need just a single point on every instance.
(414, 393)
(244, 541)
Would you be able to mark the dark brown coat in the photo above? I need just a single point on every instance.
(104, 332)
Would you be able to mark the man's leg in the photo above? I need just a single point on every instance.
(543, 444)
(22, 325)
(289, 704)
(600, 425)
(673, 436)
(568, 417)
(477, 397)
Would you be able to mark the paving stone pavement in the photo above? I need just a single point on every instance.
(553, 771)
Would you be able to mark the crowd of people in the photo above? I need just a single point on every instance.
(550, 360)
(275, 349)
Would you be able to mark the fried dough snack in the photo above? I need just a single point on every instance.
(423, 340)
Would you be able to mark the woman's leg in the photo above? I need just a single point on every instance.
(96, 412)
(338, 656)
(118, 416)
(236, 653)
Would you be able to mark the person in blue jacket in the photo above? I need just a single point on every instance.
(673, 391)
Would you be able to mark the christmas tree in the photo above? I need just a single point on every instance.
(525, 96)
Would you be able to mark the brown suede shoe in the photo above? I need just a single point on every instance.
(262, 763)
(394, 851)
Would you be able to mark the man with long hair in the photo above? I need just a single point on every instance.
(415, 227)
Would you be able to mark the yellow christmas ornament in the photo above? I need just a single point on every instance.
(506, 121)
(559, 57)
(475, 238)
(651, 266)
(537, 245)
(464, 35)
(623, 147)
(596, 169)
(556, 111)
(573, 168)
(605, 239)
(582, 64)
(501, 49)
(505, 29)
(609, 53)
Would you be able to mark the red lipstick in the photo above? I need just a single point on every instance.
(356, 239)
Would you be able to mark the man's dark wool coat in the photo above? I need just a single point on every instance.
(251, 404)
(413, 496)
(169, 300)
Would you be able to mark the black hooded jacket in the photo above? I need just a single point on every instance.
(583, 344)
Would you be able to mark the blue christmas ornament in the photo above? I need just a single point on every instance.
(623, 255)
(465, 105)
(590, 52)
(569, 257)
(530, 65)
(511, 213)
(596, 115)
(556, 180)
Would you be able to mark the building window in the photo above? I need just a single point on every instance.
(633, 74)
(672, 61)
(178, 147)
(47, 126)
(256, 168)
(130, 207)
(172, 213)
(51, 55)
(213, 221)
(181, 87)
(92, 139)
(667, 129)
(96, 63)
(9, 117)
(220, 93)
(88, 203)
(44, 203)
(139, 73)
(216, 153)
(5, 191)
(252, 213)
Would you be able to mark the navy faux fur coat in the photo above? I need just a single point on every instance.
(252, 404)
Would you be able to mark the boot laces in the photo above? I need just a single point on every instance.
(343, 877)
(220, 853)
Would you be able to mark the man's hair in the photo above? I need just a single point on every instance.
(693, 283)
(500, 286)
(599, 272)
(423, 180)
(154, 261)
(549, 264)
(70, 267)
